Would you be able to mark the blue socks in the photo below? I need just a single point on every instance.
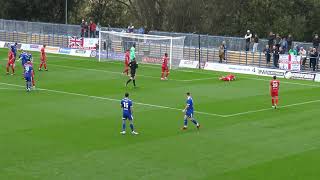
(124, 125)
(131, 126)
(186, 122)
(194, 121)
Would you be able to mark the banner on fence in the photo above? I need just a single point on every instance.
(52, 49)
(90, 43)
(270, 72)
(299, 75)
(230, 68)
(80, 52)
(2, 43)
(64, 51)
(188, 64)
(289, 62)
(317, 78)
(75, 42)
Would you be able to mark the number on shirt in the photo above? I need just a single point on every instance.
(275, 85)
(125, 105)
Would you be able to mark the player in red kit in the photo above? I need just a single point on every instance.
(274, 90)
(43, 58)
(230, 77)
(10, 63)
(165, 69)
(126, 62)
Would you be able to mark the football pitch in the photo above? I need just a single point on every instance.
(69, 127)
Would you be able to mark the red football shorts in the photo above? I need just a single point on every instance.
(274, 93)
(165, 69)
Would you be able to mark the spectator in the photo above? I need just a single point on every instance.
(277, 40)
(284, 44)
(141, 30)
(281, 50)
(271, 39)
(293, 52)
(86, 29)
(303, 54)
(224, 49)
(255, 43)
(93, 28)
(267, 53)
(290, 40)
(98, 29)
(82, 25)
(313, 59)
(221, 53)
(130, 28)
(275, 52)
(248, 37)
(316, 42)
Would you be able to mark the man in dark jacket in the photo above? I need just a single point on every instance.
(316, 42)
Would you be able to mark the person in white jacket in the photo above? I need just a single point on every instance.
(248, 37)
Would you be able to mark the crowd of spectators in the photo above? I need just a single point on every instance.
(90, 29)
(284, 45)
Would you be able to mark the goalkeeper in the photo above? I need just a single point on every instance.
(133, 52)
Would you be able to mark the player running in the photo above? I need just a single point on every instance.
(189, 113)
(229, 78)
(10, 61)
(133, 67)
(43, 58)
(28, 70)
(165, 68)
(127, 105)
(126, 62)
(133, 52)
(274, 91)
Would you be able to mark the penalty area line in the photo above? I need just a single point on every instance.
(111, 99)
(269, 109)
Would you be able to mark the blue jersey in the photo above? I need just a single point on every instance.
(126, 105)
(28, 70)
(190, 105)
(29, 57)
(24, 58)
(14, 50)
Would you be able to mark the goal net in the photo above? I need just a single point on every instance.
(149, 48)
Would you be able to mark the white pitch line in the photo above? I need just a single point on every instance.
(269, 109)
(284, 82)
(111, 99)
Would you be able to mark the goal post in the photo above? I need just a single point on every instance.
(149, 48)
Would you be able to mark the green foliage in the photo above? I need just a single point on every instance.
(217, 17)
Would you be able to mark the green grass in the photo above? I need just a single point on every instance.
(69, 127)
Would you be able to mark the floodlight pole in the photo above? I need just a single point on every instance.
(66, 12)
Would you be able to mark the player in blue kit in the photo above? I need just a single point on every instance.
(188, 110)
(126, 105)
(28, 71)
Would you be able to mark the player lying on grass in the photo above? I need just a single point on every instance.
(188, 110)
(274, 91)
(230, 77)
(126, 105)
(11, 59)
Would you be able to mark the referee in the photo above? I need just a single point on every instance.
(133, 67)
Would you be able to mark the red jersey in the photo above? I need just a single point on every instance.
(165, 61)
(43, 54)
(127, 58)
(10, 57)
(274, 85)
(230, 76)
